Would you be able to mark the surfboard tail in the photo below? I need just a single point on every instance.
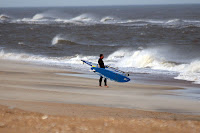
(89, 63)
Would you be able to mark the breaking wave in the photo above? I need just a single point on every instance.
(50, 17)
(109, 19)
(72, 40)
(84, 18)
(175, 21)
(140, 59)
(124, 59)
(4, 17)
(148, 59)
(42, 16)
(58, 39)
(53, 61)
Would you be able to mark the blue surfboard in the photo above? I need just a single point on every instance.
(108, 72)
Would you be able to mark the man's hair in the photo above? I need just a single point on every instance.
(101, 55)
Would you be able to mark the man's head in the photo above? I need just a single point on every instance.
(101, 56)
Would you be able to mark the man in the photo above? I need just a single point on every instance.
(101, 65)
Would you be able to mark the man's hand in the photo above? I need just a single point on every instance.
(107, 66)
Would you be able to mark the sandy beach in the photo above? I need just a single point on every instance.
(35, 98)
(46, 88)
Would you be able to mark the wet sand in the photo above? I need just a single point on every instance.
(73, 104)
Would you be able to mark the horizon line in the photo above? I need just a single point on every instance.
(99, 5)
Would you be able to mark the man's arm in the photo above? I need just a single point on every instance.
(99, 63)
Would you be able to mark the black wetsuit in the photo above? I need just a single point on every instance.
(101, 65)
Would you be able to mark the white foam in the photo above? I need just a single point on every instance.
(38, 16)
(194, 77)
(3, 17)
(107, 19)
(190, 72)
(69, 61)
(138, 59)
(49, 17)
(147, 60)
(174, 22)
(21, 43)
(146, 21)
(84, 18)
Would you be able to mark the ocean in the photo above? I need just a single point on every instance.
(154, 42)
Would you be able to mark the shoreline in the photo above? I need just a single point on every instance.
(32, 82)
(34, 97)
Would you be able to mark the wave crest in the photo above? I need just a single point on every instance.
(41, 16)
(4, 17)
(149, 59)
(175, 22)
(52, 17)
(139, 59)
(58, 39)
(124, 59)
(68, 61)
(107, 19)
(84, 18)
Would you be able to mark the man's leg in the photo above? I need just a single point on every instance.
(100, 80)
(105, 81)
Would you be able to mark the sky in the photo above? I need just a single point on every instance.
(46, 3)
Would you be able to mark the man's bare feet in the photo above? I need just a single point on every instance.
(106, 86)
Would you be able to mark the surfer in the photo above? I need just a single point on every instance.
(101, 65)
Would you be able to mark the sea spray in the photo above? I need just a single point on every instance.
(61, 39)
(56, 39)
(121, 59)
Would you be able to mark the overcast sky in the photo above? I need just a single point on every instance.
(39, 3)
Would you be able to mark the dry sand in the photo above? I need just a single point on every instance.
(36, 99)
(99, 119)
